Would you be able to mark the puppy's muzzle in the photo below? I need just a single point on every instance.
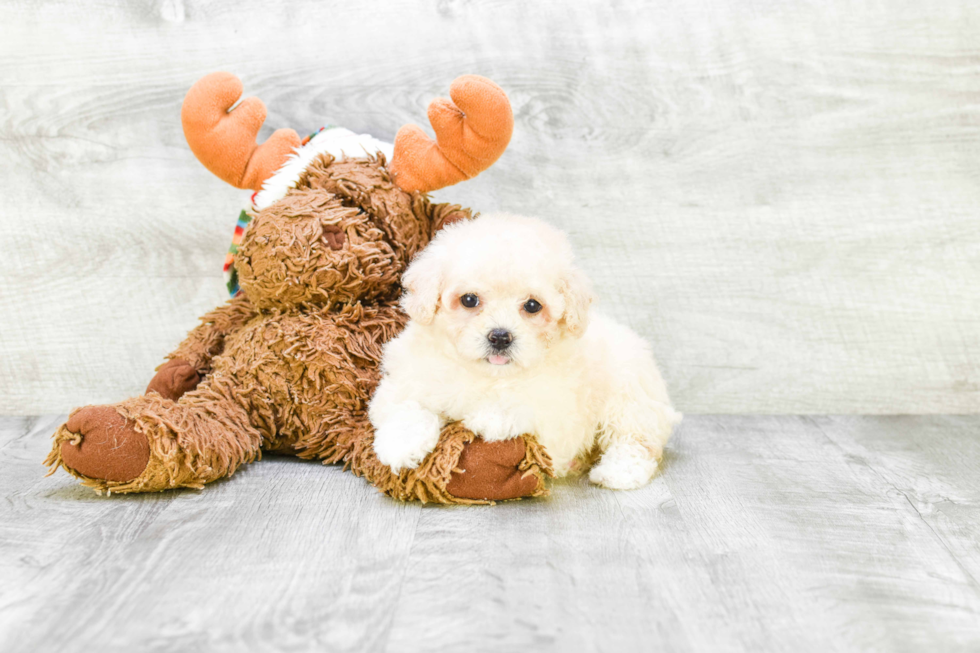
(500, 339)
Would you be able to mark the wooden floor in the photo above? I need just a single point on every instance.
(761, 534)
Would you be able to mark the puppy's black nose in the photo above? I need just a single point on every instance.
(500, 338)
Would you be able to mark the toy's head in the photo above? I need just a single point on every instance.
(346, 228)
(344, 233)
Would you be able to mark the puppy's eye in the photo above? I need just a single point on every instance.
(532, 306)
(469, 300)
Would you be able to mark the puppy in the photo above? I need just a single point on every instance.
(501, 337)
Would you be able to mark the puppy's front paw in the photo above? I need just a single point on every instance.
(495, 423)
(623, 470)
(404, 441)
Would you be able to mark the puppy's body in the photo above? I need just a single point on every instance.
(572, 381)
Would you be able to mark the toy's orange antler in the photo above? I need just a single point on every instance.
(472, 131)
(224, 141)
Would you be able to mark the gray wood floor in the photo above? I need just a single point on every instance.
(761, 534)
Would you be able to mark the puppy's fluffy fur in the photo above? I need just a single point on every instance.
(572, 378)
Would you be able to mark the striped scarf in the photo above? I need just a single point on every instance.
(231, 274)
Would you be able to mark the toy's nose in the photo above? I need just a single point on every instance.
(500, 338)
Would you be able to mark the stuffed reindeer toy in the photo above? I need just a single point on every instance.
(289, 363)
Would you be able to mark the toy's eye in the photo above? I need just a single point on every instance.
(532, 306)
(469, 300)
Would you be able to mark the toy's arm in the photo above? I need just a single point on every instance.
(191, 361)
(472, 131)
(207, 339)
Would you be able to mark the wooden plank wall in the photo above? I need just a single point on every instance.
(783, 196)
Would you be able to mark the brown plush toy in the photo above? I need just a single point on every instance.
(289, 364)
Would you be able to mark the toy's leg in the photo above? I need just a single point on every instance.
(462, 469)
(150, 443)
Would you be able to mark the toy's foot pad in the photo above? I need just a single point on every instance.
(173, 379)
(491, 472)
(106, 447)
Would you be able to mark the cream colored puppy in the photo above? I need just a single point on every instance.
(501, 338)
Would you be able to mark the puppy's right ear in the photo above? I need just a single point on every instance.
(423, 283)
(576, 288)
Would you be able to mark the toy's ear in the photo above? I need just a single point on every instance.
(472, 131)
(423, 283)
(224, 141)
(576, 289)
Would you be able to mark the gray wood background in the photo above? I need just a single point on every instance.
(776, 533)
(783, 196)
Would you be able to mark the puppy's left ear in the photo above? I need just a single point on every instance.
(423, 283)
(576, 288)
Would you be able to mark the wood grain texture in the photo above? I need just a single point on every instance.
(761, 534)
(782, 196)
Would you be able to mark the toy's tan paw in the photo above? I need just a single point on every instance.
(491, 470)
(173, 379)
(106, 446)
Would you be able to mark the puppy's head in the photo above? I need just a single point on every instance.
(501, 289)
